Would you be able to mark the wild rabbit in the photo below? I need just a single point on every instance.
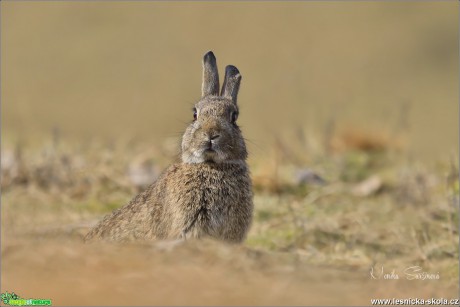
(208, 193)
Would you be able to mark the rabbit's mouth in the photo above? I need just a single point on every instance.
(203, 155)
(209, 148)
(210, 155)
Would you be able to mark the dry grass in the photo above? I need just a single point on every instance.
(307, 242)
(369, 140)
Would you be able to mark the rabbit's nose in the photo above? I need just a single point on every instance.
(212, 140)
(214, 137)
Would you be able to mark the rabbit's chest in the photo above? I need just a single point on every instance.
(215, 202)
(215, 199)
(212, 199)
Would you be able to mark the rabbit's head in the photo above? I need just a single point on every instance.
(213, 135)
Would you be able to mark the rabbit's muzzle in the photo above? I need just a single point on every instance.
(211, 148)
(212, 142)
(207, 141)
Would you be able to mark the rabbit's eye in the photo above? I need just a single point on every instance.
(195, 114)
(234, 117)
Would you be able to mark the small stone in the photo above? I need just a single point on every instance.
(307, 176)
(368, 187)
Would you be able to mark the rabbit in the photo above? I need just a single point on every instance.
(208, 193)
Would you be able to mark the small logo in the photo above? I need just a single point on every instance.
(12, 299)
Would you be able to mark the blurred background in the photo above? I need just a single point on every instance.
(101, 70)
(350, 111)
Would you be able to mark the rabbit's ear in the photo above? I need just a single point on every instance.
(231, 83)
(210, 84)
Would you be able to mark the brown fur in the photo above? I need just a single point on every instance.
(207, 194)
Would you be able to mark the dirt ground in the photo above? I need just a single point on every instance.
(195, 273)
